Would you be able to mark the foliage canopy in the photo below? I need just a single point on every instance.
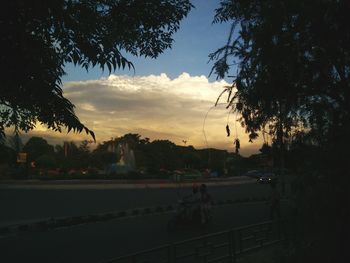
(292, 62)
(293, 78)
(39, 38)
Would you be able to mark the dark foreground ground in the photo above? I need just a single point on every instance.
(96, 242)
(101, 241)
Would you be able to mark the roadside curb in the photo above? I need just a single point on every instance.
(80, 184)
(53, 223)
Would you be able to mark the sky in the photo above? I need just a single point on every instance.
(165, 98)
(194, 41)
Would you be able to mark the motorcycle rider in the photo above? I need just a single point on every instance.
(188, 211)
(193, 201)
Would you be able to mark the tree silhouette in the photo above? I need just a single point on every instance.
(290, 72)
(39, 38)
(37, 146)
(293, 73)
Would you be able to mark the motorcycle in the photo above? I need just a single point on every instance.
(189, 214)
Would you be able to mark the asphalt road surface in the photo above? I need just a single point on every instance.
(97, 242)
(29, 203)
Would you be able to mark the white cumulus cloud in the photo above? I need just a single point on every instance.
(157, 107)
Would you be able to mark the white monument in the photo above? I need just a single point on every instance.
(126, 162)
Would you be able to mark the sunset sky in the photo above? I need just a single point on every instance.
(166, 98)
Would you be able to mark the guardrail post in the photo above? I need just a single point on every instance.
(279, 229)
(171, 253)
(261, 232)
(240, 241)
(232, 247)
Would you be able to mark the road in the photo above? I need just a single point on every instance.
(19, 204)
(104, 240)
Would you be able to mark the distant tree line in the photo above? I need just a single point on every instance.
(151, 156)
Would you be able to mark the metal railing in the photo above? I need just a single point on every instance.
(225, 246)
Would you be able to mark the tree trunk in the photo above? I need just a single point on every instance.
(281, 151)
